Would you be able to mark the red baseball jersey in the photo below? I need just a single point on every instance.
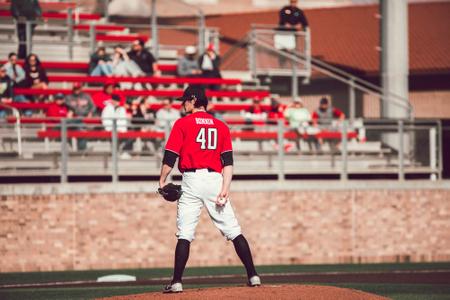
(199, 139)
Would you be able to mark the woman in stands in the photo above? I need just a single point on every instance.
(100, 63)
(123, 65)
(35, 74)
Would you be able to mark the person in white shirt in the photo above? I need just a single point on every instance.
(165, 118)
(209, 63)
(113, 111)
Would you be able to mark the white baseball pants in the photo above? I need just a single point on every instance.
(201, 188)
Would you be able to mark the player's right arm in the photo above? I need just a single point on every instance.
(171, 152)
(226, 156)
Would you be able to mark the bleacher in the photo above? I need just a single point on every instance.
(255, 139)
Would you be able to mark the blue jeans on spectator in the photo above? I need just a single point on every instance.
(18, 98)
(102, 70)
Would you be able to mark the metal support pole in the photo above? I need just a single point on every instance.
(19, 131)
(280, 132)
(401, 155)
(294, 88)
(252, 54)
(70, 32)
(92, 37)
(439, 140)
(115, 167)
(105, 10)
(201, 32)
(64, 153)
(154, 24)
(352, 101)
(28, 36)
(344, 144)
(433, 152)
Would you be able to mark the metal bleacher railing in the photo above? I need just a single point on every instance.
(261, 147)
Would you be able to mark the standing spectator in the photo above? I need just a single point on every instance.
(100, 63)
(144, 59)
(114, 111)
(209, 63)
(123, 65)
(102, 98)
(323, 117)
(82, 106)
(188, 64)
(22, 11)
(58, 108)
(14, 71)
(292, 17)
(35, 74)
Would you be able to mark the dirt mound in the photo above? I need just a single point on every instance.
(266, 292)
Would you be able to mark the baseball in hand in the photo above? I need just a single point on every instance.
(221, 201)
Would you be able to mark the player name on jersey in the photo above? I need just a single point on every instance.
(203, 121)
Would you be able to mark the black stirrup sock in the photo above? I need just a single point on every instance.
(181, 258)
(244, 253)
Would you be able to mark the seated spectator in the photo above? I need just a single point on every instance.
(35, 74)
(323, 117)
(81, 105)
(100, 63)
(114, 111)
(209, 63)
(6, 90)
(144, 59)
(58, 108)
(276, 111)
(167, 115)
(102, 98)
(326, 113)
(299, 119)
(188, 65)
(123, 65)
(13, 70)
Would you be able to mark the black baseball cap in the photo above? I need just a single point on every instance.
(197, 92)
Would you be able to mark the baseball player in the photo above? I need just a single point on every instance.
(203, 147)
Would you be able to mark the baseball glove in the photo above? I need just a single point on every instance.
(171, 192)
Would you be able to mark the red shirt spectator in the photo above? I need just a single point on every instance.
(57, 109)
(102, 98)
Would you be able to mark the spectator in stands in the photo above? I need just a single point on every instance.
(292, 17)
(25, 11)
(102, 98)
(209, 63)
(58, 108)
(82, 106)
(35, 74)
(167, 115)
(188, 64)
(140, 118)
(144, 59)
(123, 65)
(14, 71)
(299, 119)
(114, 111)
(6, 89)
(100, 63)
(276, 110)
(323, 117)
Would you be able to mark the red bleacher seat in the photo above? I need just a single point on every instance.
(59, 15)
(99, 27)
(121, 38)
(161, 80)
(156, 93)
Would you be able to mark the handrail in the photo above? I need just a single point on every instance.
(337, 77)
(16, 114)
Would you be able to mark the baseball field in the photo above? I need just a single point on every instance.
(339, 281)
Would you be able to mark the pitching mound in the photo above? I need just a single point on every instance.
(289, 292)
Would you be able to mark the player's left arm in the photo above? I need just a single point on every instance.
(171, 152)
(165, 171)
(226, 157)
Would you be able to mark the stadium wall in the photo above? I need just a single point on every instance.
(102, 226)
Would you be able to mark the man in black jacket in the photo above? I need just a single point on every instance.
(291, 17)
(22, 11)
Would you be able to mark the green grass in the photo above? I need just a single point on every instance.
(394, 291)
(38, 277)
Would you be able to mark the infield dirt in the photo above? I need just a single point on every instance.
(266, 292)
